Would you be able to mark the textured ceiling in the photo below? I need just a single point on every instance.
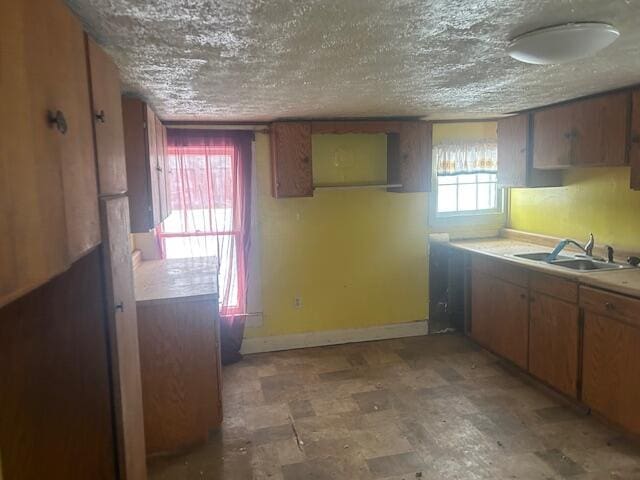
(265, 59)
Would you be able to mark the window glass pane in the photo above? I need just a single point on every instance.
(467, 197)
(447, 198)
(447, 180)
(486, 177)
(486, 196)
(467, 178)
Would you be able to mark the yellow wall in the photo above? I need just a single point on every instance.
(594, 200)
(355, 258)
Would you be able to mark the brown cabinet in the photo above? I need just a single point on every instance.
(47, 169)
(611, 369)
(123, 338)
(634, 140)
(409, 157)
(145, 145)
(553, 342)
(291, 159)
(501, 326)
(590, 132)
(107, 121)
(515, 167)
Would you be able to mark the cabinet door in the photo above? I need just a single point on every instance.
(600, 128)
(65, 70)
(123, 333)
(161, 150)
(500, 317)
(107, 120)
(634, 140)
(553, 342)
(553, 137)
(610, 369)
(154, 167)
(514, 156)
(409, 157)
(291, 159)
(135, 143)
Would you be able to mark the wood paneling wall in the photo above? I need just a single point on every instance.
(54, 380)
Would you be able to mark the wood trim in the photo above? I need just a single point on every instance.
(320, 127)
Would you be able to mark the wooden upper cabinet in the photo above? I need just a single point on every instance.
(107, 121)
(409, 154)
(48, 192)
(145, 172)
(515, 167)
(162, 163)
(634, 140)
(291, 159)
(591, 132)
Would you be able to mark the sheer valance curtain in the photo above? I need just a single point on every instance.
(209, 191)
(466, 157)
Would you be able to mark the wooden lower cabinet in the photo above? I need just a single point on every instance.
(553, 342)
(499, 312)
(610, 359)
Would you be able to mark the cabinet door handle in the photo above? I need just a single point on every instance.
(523, 296)
(100, 116)
(609, 306)
(159, 169)
(120, 307)
(58, 120)
(570, 135)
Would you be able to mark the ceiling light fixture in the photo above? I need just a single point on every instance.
(562, 43)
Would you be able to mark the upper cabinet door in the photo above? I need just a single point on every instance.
(634, 140)
(154, 165)
(291, 159)
(588, 133)
(161, 150)
(66, 71)
(107, 120)
(409, 153)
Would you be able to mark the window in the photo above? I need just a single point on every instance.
(475, 192)
(467, 180)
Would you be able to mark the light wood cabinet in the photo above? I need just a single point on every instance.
(48, 192)
(122, 328)
(590, 132)
(145, 171)
(502, 326)
(553, 342)
(291, 159)
(515, 167)
(610, 367)
(107, 121)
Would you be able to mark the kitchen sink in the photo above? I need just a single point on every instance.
(539, 256)
(584, 264)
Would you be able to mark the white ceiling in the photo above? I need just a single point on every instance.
(266, 59)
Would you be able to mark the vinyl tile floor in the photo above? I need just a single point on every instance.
(434, 407)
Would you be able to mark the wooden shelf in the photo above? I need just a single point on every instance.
(355, 186)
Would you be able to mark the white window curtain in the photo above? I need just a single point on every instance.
(466, 157)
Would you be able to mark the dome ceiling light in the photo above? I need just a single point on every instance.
(562, 43)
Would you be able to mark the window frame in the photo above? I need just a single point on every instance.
(500, 199)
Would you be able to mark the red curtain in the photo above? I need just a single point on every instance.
(209, 193)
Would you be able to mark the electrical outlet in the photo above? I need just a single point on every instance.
(297, 302)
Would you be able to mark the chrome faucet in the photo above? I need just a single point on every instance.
(588, 248)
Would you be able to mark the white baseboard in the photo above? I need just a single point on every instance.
(333, 337)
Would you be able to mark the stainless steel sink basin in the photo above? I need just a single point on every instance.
(538, 256)
(587, 265)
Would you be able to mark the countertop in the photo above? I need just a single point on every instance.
(624, 281)
(171, 279)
